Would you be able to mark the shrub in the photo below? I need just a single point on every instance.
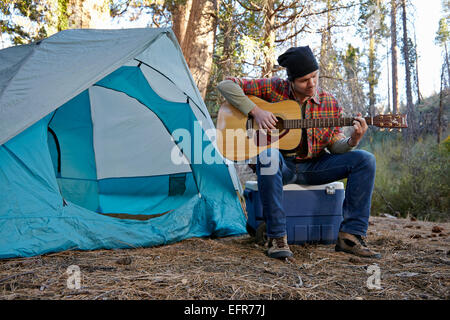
(412, 180)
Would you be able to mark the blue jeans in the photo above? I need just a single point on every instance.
(274, 171)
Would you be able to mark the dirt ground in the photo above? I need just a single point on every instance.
(415, 265)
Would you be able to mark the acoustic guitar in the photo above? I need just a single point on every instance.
(239, 138)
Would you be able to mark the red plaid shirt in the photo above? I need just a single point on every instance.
(321, 105)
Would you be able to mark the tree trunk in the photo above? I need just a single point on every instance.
(268, 38)
(180, 19)
(419, 95)
(388, 81)
(446, 59)
(228, 29)
(394, 55)
(409, 100)
(197, 43)
(372, 78)
(441, 107)
(83, 14)
(325, 51)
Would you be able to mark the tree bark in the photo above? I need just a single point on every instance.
(180, 18)
(409, 100)
(268, 38)
(227, 28)
(446, 59)
(83, 14)
(394, 56)
(196, 37)
(372, 77)
(388, 80)
(441, 107)
(419, 95)
(325, 50)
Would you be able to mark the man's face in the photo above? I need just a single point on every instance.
(306, 86)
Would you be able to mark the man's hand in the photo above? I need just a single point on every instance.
(264, 119)
(360, 126)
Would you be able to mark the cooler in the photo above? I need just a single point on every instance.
(313, 213)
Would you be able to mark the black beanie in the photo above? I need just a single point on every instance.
(299, 61)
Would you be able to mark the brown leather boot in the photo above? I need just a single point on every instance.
(354, 244)
(278, 248)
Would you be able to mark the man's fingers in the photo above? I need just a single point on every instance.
(357, 127)
(268, 125)
(274, 118)
(262, 124)
(361, 120)
(365, 125)
(270, 121)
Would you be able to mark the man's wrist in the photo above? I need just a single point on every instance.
(351, 144)
(253, 110)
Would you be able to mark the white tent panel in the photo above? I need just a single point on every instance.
(129, 139)
(131, 63)
(165, 56)
(163, 86)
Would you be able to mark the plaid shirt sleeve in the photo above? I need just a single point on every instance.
(264, 88)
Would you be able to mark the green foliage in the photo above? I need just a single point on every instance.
(63, 18)
(238, 36)
(412, 47)
(443, 34)
(445, 145)
(412, 180)
(25, 21)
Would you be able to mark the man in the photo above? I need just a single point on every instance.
(310, 163)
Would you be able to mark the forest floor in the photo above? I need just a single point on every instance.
(415, 265)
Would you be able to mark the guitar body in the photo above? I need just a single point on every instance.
(239, 137)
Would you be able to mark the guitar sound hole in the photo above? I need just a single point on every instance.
(280, 124)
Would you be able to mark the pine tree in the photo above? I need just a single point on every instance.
(394, 57)
(406, 59)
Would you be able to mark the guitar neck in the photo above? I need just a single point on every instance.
(322, 123)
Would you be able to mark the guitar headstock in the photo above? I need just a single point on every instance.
(390, 121)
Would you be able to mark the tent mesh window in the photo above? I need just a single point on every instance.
(177, 184)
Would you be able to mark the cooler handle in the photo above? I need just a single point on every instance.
(330, 190)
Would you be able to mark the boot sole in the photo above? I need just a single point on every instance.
(280, 255)
(339, 249)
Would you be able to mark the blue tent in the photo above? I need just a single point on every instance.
(99, 146)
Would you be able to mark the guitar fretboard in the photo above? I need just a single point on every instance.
(321, 123)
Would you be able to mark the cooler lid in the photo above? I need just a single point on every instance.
(253, 185)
